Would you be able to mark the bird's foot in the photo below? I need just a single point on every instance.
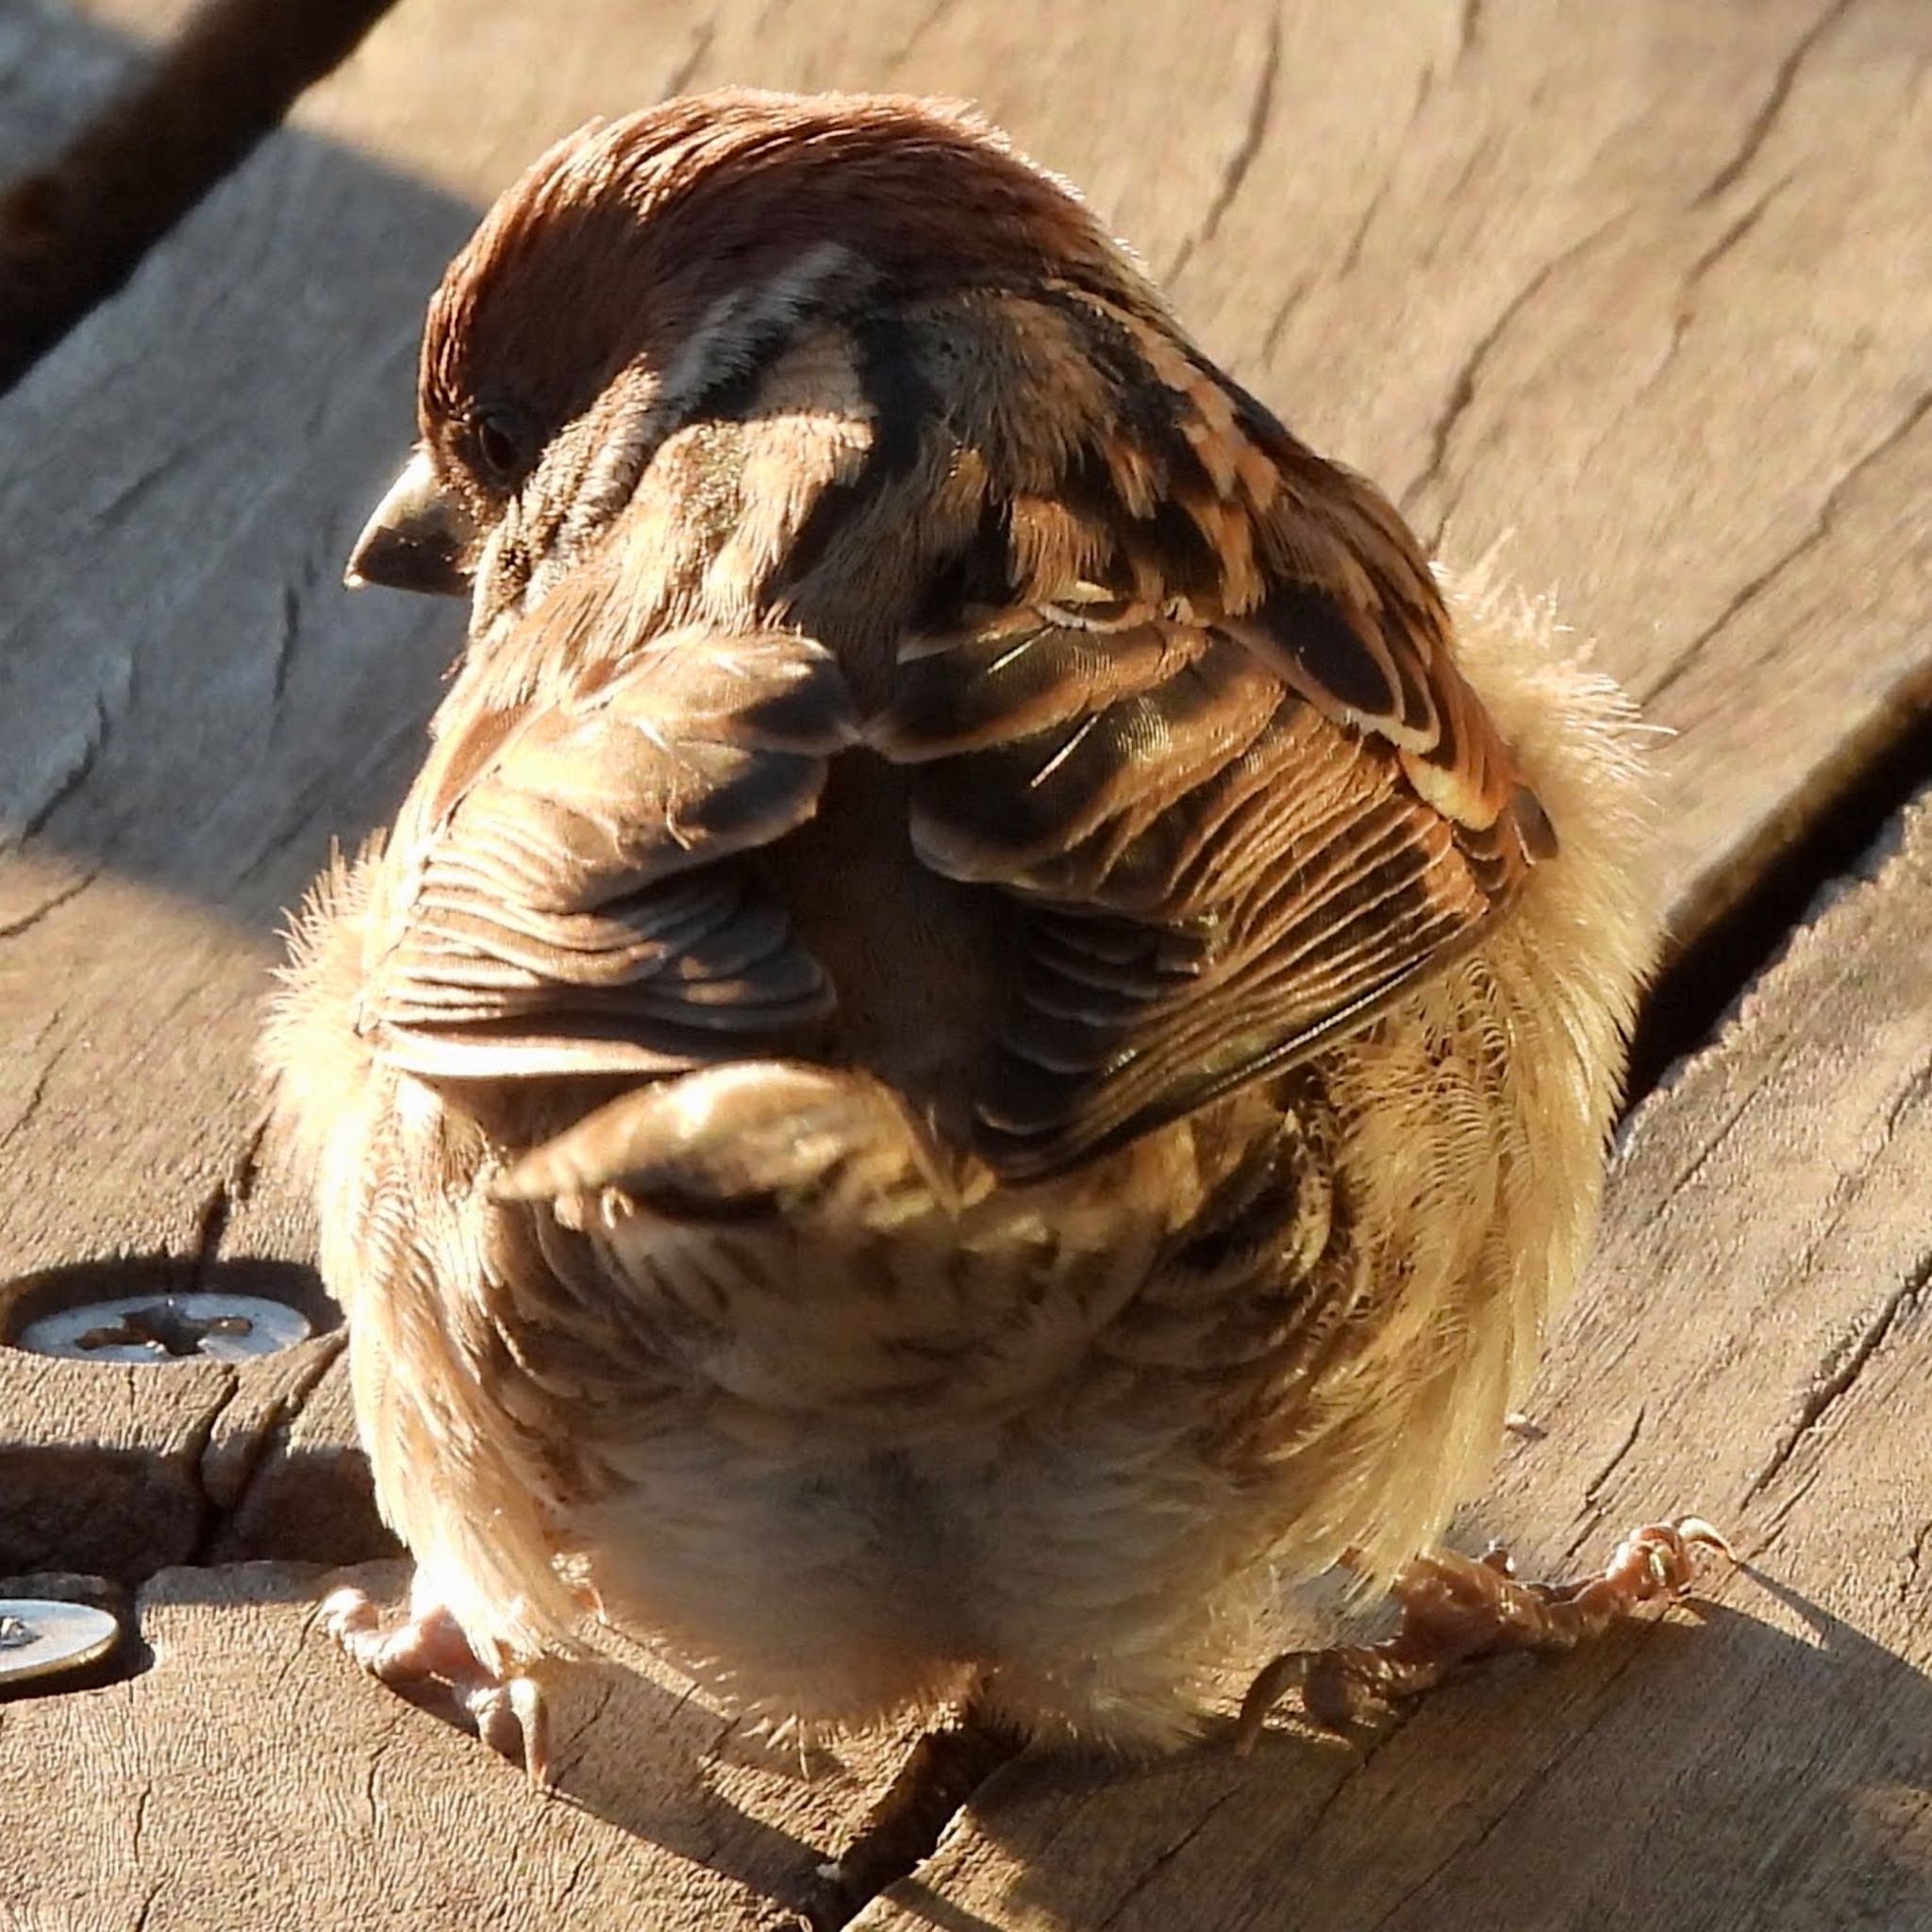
(427, 1659)
(1456, 1609)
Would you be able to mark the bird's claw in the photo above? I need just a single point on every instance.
(427, 1658)
(1456, 1609)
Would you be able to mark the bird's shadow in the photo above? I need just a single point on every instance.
(654, 1757)
(1719, 1768)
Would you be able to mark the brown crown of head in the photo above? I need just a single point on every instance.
(616, 244)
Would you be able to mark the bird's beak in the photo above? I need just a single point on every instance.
(418, 539)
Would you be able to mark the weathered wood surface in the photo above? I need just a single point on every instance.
(1751, 1342)
(1643, 286)
(249, 1779)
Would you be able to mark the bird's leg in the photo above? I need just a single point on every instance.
(939, 1773)
(427, 1658)
(1456, 1609)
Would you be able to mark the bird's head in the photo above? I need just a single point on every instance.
(646, 273)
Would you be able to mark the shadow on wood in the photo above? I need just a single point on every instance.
(122, 1469)
(1552, 1739)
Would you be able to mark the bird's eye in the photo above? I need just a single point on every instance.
(499, 446)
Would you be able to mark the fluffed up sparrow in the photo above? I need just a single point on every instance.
(989, 1031)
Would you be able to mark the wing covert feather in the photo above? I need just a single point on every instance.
(1219, 876)
(571, 893)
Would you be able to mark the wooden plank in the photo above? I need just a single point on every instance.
(250, 1776)
(1634, 288)
(179, 674)
(307, 1494)
(1753, 1343)
(109, 178)
(118, 1471)
(146, 23)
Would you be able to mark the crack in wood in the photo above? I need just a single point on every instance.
(130, 495)
(1704, 977)
(140, 1823)
(1259, 106)
(1531, 1782)
(36, 1094)
(1915, 1557)
(682, 74)
(936, 10)
(194, 1450)
(1757, 131)
(1462, 387)
(1390, 1722)
(285, 644)
(902, 1830)
(1352, 251)
(1821, 527)
(52, 903)
(1589, 1511)
(1278, 323)
(66, 783)
(1469, 29)
(1769, 1537)
(1833, 1380)
(1164, 1859)
(1595, 1486)
(573, 1878)
(1732, 236)
(374, 1764)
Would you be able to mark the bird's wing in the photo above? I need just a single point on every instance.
(569, 889)
(1224, 862)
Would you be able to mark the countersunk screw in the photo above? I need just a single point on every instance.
(44, 1638)
(165, 1326)
(174, 1327)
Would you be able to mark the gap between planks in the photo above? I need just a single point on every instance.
(75, 226)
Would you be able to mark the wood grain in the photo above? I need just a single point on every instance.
(1643, 284)
(1751, 1344)
(219, 77)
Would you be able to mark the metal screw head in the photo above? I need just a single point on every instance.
(40, 1637)
(162, 1328)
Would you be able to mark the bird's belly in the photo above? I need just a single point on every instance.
(842, 1586)
(999, 1449)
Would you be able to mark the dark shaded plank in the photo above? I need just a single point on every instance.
(103, 185)
(60, 63)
